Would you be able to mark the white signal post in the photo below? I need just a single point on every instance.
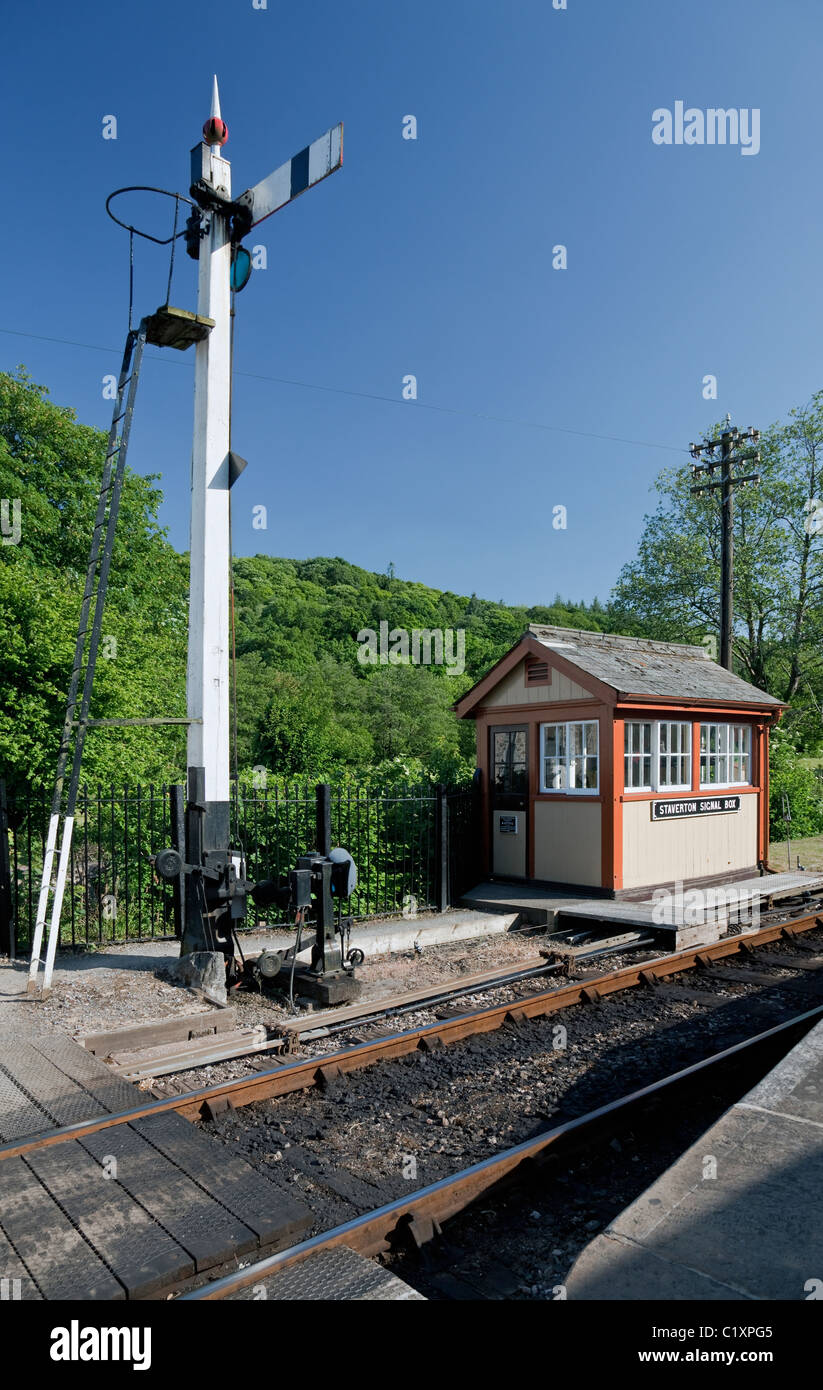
(207, 678)
(215, 890)
(208, 661)
(213, 471)
(208, 914)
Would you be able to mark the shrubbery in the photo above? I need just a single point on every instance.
(802, 786)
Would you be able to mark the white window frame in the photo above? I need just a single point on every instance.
(638, 755)
(686, 756)
(568, 725)
(655, 784)
(724, 737)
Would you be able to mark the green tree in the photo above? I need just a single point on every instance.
(53, 466)
(672, 589)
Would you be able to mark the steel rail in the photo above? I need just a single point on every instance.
(397, 1010)
(375, 1231)
(323, 1068)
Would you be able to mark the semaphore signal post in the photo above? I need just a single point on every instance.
(209, 873)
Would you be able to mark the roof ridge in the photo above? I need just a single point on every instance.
(592, 638)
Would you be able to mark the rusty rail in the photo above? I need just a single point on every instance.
(301, 1074)
(421, 1212)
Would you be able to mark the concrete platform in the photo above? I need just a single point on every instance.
(752, 1232)
(559, 909)
(373, 938)
(531, 902)
(687, 921)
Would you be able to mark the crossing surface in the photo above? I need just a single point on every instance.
(126, 1212)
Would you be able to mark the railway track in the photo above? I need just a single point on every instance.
(414, 1219)
(513, 1099)
(323, 1070)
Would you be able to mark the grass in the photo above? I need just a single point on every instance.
(809, 851)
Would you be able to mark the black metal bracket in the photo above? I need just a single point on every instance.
(240, 217)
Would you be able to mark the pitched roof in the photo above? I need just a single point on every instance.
(635, 666)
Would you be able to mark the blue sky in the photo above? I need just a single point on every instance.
(433, 257)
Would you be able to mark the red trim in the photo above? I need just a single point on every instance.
(762, 732)
(467, 702)
(529, 646)
(611, 797)
(545, 709)
(606, 773)
(570, 797)
(534, 781)
(501, 668)
(618, 744)
(646, 702)
(485, 803)
(605, 693)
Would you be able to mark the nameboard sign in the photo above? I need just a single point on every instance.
(507, 825)
(694, 806)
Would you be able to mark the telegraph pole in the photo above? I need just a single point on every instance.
(728, 481)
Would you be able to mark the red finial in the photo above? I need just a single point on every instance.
(215, 130)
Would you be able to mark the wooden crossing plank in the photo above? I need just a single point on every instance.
(739, 975)
(110, 1091)
(363, 1196)
(15, 1280)
(19, 1116)
(690, 996)
(787, 960)
(206, 1230)
(274, 1216)
(178, 1028)
(141, 1255)
(55, 1254)
(62, 1099)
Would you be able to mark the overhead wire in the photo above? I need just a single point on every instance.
(375, 396)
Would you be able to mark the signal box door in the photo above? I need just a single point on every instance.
(509, 795)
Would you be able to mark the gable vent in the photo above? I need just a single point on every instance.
(538, 673)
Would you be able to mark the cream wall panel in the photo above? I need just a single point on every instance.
(513, 690)
(567, 839)
(691, 847)
(509, 851)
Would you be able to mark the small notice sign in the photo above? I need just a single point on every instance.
(694, 806)
(507, 825)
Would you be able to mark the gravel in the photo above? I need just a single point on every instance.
(367, 1139)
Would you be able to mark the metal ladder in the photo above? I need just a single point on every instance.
(85, 656)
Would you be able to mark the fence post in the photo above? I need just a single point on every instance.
(178, 842)
(442, 851)
(7, 932)
(324, 818)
